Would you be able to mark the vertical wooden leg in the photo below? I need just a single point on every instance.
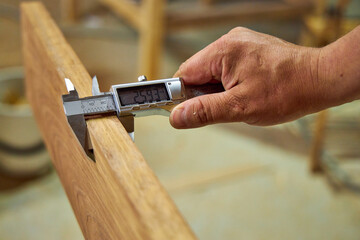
(151, 37)
(318, 141)
(68, 8)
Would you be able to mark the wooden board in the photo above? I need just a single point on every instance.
(118, 197)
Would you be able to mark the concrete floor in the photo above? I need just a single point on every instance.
(228, 185)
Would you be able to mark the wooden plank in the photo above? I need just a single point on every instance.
(189, 15)
(151, 37)
(126, 10)
(118, 197)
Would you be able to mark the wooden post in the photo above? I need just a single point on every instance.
(126, 9)
(68, 10)
(151, 32)
(318, 142)
(118, 197)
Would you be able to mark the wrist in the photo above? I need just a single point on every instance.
(314, 93)
(338, 70)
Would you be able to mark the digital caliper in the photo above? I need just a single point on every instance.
(129, 100)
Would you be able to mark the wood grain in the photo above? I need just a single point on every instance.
(118, 197)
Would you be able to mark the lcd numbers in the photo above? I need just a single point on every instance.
(142, 94)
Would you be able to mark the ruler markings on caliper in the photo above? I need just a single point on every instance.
(96, 105)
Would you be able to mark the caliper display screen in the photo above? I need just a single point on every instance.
(142, 94)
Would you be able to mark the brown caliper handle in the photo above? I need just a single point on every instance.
(192, 91)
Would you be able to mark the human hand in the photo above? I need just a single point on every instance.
(267, 81)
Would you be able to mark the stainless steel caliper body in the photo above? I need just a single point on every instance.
(128, 100)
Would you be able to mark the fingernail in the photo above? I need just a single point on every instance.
(177, 117)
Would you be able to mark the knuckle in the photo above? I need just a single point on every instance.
(234, 102)
(201, 114)
(221, 43)
(223, 38)
(232, 44)
(238, 107)
(237, 39)
(238, 29)
(228, 44)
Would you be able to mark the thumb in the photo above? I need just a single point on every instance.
(207, 109)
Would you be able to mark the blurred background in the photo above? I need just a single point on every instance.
(299, 180)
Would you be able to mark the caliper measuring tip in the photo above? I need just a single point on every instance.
(69, 85)
(95, 87)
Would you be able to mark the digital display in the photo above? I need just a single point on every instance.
(142, 94)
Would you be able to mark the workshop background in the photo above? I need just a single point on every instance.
(299, 180)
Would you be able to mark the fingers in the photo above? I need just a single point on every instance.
(208, 109)
(207, 66)
(204, 66)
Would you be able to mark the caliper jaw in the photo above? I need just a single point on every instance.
(127, 121)
(77, 122)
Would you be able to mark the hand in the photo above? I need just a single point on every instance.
(267, 81)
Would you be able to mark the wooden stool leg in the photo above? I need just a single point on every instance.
(151, 37)
(318, 141)
(68, 8)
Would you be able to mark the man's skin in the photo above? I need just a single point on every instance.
(267, 80)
